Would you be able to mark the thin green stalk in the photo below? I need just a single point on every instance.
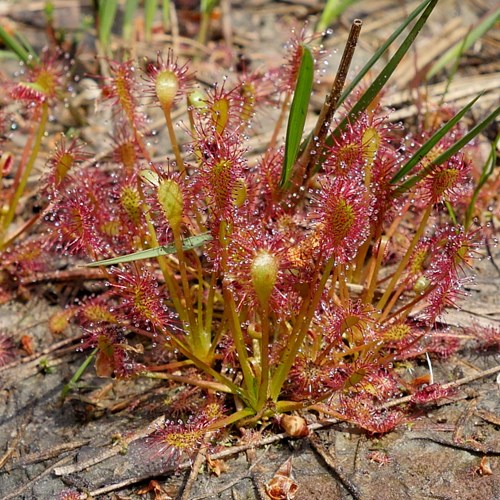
(399, 290)
(264, 355)
(9, 217)
(207, 369)
(404, 261)
(231, 419)
(206, 384)
(209, 311)
(374, 268)
(193, 329)
(239, 343)
(173, 289)
(204, 25)
(296, 339)
(173, 140)
(357, 275)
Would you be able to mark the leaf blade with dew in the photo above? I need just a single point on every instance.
(187, 244)
(472, 37)
(107, 14)
(298, 113)
(332, 10)
(454, 148)
(380, 81)
(432, 141)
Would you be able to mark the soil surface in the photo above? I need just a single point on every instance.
(94, 442)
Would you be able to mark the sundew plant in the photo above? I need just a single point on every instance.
(303, 280)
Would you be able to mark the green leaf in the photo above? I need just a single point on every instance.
(107, 13)
(81, 370)
(128, 18)
(207, 6)
(454, 148)
(488, 168)
(373, 90)
(18, 47)
(332, 10)
(473, 132)
(298, 113)
(380, 52)
(431, 142)
(165, 14)
(187, 244)
(150, 7)
(472, 37)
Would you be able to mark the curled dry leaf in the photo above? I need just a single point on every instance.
(282, 486)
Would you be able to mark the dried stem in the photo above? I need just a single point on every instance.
(307, 161)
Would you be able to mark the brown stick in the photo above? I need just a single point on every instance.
(307, 161)
(332, 463)
(451, 385)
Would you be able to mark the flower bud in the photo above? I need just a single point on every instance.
(264, 273)
(196, 100)
(172, 202)
(166, 87)
(421, 285)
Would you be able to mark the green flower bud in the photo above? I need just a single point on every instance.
(171, 200)
(166, 87)
(264, 273)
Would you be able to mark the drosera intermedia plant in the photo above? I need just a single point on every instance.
(274, 286)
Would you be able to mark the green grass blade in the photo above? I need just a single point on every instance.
(373, 90)
(429, 144)
(150, 7)
(187, 244)
(298, 113)
(107, 13)
(15, 46)
(471, 38)
(128, 18)
(454, 148)
(332, 10)
(81, 370)
(207, 6)
(165, 14)
(380, 52)
(488, 168)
